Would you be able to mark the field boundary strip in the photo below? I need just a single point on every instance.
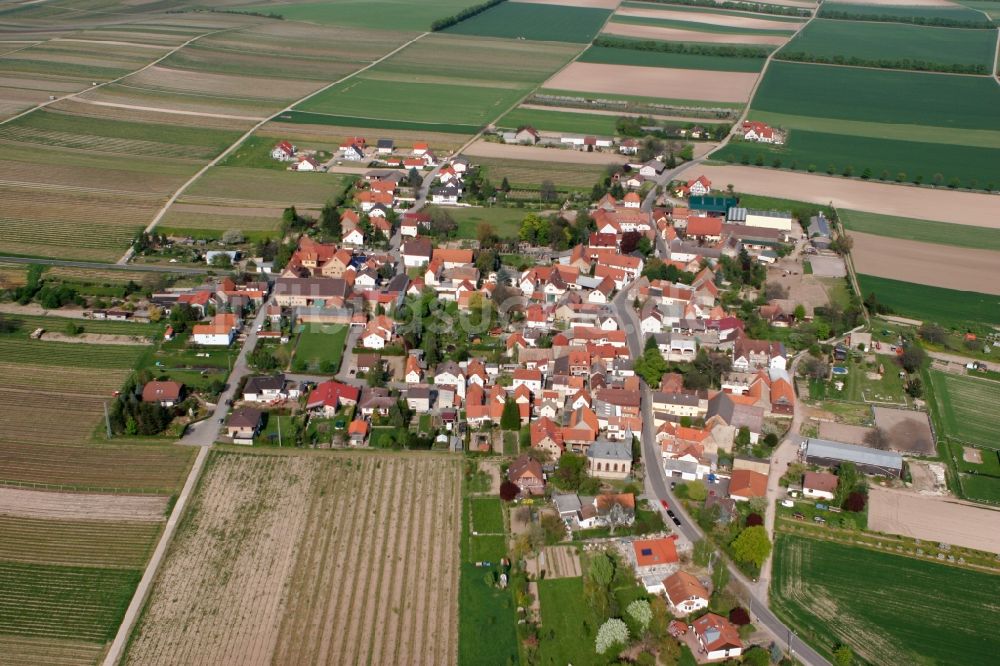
(246, 135)
(117, 648)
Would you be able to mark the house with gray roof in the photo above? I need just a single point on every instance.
(828, 453)
(610, 460)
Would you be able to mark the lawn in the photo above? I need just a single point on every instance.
(966, 408)
(487, 515)
(859, 388)
(851, 93)
(894, 42)
(943, 306)
(614, 56)
(890, 609)
(572, 640)
(380, 14)
(483, 609)
(516, 20)
(973, 167)
(927, 231)
(699, 27)
(321, 347)
(560, 121)
(506, 222)
(413, 102)
(530, 173)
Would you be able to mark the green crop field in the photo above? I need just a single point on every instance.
(699, 27)
(948, 307)
(990, 7)
(638, 99)
(927, 231)
(439, 104)
(613, 56)
(973, 167)
(966, 407)
(891, 609)
(368, 123)
(894, 41)
(487, 516)
(560, 121)
(530, 174)
(40, 352)
(223, 185)
(77, 543)
(57, 324)
(900, 9)
(379, 14)
(321, 347)
(75, 603)
(539, 22)
(883, 96)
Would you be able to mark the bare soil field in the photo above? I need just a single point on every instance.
(222, 84)
(842, 432)
(827, 266)
(971, 455)
(95, 339)
(634, 80)
(678, 35)
(731, 21)
(933, 518)
(482, 148)
(903, 201)
(556, 562)
(927, 263)
(596, 4)
(25, 651)
(909, 432)
(41, 504)
(293, 559)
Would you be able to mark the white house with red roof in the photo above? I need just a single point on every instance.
(757, 131)
(283, 151)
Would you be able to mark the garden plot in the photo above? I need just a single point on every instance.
(363, 564)
(712, 86)
(909, 432)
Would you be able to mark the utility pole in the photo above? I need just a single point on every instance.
(279, 431)
(107, 421)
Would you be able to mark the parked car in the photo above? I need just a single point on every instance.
(819, 519)
(798, 516)
(665, 505)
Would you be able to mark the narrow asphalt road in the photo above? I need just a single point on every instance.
(206, 431)
(658, 487)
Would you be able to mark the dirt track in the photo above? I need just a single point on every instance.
(927, 263)
(934, 519)
(634, 80)
(483, 148)
(77, 506)
(678, 35)
(904, 201)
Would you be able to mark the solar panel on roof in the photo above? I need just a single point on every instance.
(647, 551)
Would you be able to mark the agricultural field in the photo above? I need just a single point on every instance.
(560, 121)
(894, 42)
(990, 7)
(616, 56)
(475, 85)
(256, 188)
(943, 306)
(927, 10)
(965, 407)
(363, 564)
(927, 231)
(962, 269)
(381, 14)
(658, 19)
(529, 174)
(330, 134)
(979, 472)
(539, 22)
(887, 607)
(600, 79)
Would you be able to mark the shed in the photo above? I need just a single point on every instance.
(828, 453)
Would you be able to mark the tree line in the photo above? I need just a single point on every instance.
(883, 63)
(466, 13)
(720, 50)
(933, 21)
(756, 7)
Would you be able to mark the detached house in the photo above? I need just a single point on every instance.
(757, 131)
(717, 637)
(244, 424)
(685, 593)
(283, 151)
(526, 472)
(165, 394)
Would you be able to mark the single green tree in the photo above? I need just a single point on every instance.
(752, 545)
(511, 417)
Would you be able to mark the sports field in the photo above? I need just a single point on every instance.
(888, 608)
(900, 46)
(943, 306)
(966, 407)
(927, 231)
(541, 22)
